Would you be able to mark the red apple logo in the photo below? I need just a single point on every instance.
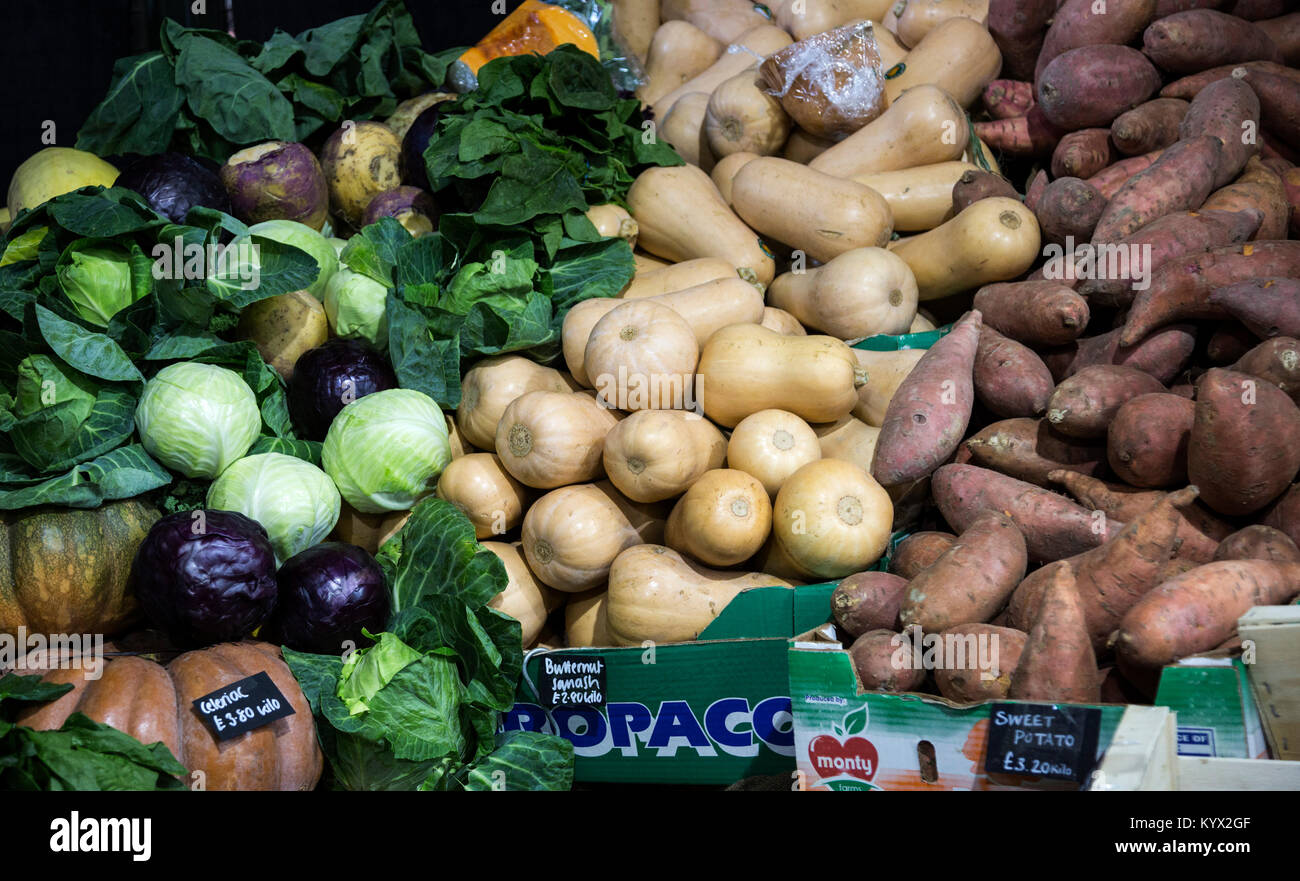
(856, 757)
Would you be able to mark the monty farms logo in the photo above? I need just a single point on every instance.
(843, 759)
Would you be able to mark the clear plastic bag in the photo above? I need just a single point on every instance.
(623, 67)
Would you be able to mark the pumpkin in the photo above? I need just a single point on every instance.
(153, 703)
(532, 27)
(66, 570)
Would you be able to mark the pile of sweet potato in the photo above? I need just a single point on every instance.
(1113, 443)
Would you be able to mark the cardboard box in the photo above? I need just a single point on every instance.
(706, 712)
(1217, 713)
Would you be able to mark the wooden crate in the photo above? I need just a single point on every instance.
(1270, 638)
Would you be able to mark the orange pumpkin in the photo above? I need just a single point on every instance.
(533, 27)
(153, 703)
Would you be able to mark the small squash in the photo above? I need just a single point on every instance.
(745, 368)
(994, 239)
(613, 222)
(849, 439)
(641, 356)
(678, 52)
(860, 293)
(656, 594)
(682, 215)
(656, 454)
(832, 518)
(677, 277)
(525, 598)
(492, 500)
(885, 371)
(921, 127)
(683, 128)
(958, 55)
(551, 439)
(489, 387)
(367, 531)
(808, 210)
(585, 622)
(724, 20)
(782, 322)
(752, 46)
(532, 28)
(66, 570)
(155, 704)
(771, 445)
(919, 17)
(725, 171)
(919, 198)
(722, 520)
(740, 118)
(803, 147)
(572, 534)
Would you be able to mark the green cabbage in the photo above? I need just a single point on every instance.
(296, 503)
(197, 418)
(97, 280)
(357, 306)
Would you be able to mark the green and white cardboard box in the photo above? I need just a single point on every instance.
(706, 712)
(1217, 713)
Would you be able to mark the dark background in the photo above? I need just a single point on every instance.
(58, 54)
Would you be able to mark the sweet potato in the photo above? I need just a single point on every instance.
(1284, 31)
(1018, 27)
(1255, 10)
(1242, 452)
(974, 185)
(1279, 102)
(990, 654)
(1010, 380)
(1189, 86)
(1162, 354)
(919, 551)
(874, 653)
(1084, 404)
(1284, 514)
(1028, 135)
(1276, 360)
(1058, 663)
(1147, 127)
(1169, 7)
(1083, 153)
(1036, 313)
(1230, 342)
(1087, 23)
(1146, 444)
(1258, 542)
(1187, 42)
(1034, 189)
(1291, 186)
(1258, 189)
(1053, 526)
(1269, 307)
(927, 416)
(1069, 210)
(1230, 111)
(971, 582)
(1029, 450)
(1134, 258)
(1109, 180)
(868, 601)
(1006, 99)
(1198, 610)
(1178, 181)
(1181, 289)
(1088, 87)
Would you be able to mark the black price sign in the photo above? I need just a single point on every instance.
(1042, 740)
(242, 706)
(572, 681)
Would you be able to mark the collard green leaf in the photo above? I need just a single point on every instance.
(139, 112)
(238, 279)
(523, 760)
(440, 555)
(56, 437)
(95, 354)
(124, 473)
(240, 104)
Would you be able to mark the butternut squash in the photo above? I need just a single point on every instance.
(679, 52)
(989, 159)
(635, 23)
(745, 368)
(682, 216)
(807, 18)
(550, 439)
(724, 20)
(747, 51)
(657, 595)
(958, 56)
(572, 534)
(860, 293)
(919, 17)
(994, 239)
(832, 518)
(726, 169)
(489, 387)
(920, 198)
(922, 127)
(782, 322)
(808, 210)
(456, 440)
(742, 119)
(524, 599)
(885, 372)
(367, 531)
(678, 277)
(683, 128)
(771, 445)
(613, 221)
(802, 147)
(585, 621)
(478, 485)
(892, 52)
(849, 439)
(648, 262)
(920, 324)
(641, 356)
(657, 454)
(722, 520)
(532, 28)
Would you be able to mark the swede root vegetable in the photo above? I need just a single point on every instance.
(1187, 42)
(1258, 542)
(1269, 307)
(1006, 99)
(1230, 111)
(928, 415)
(975, 185)
(1058, 663)
(968, 684)
(1088, 87)
(1028, 450)
(1276, 360)
(919, 551)
(1069, 210)
(1037, 313)
(868, 601)
(1178, 181)
(1146, 444)
(1242, 452)
(1083, 153)
(1053, 526)
(1084, 404)
(1009, 378)
(1147, 127)
(1198, 610)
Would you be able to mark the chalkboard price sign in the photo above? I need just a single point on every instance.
(1042, 740)
(242, 706)
(573, 681)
